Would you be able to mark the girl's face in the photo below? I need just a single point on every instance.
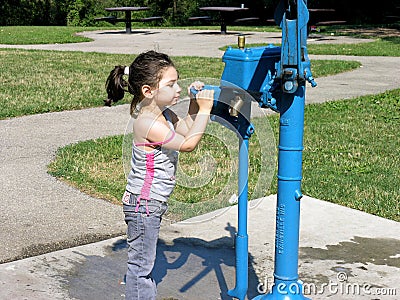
(168, 91)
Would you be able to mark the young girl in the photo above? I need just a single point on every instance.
(158, 136)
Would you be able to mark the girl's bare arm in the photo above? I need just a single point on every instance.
(186, 139)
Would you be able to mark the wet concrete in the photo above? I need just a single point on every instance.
(364, 250)
(184, 267)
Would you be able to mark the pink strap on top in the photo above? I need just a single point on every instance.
(148, 180)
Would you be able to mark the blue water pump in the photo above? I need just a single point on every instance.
(275, 77)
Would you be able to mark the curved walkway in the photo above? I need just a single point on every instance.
(40, 214)
(173, 42)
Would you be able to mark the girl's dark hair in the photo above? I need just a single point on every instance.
(147, 68)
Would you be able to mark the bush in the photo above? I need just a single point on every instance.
(34, 12)
(175, 12)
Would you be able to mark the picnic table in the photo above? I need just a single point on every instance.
(322, 16)
(224, 11)
(128, 16)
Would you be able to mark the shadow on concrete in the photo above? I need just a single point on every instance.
(200, 269)
(144, 32)
(217, 33)
(186, 268)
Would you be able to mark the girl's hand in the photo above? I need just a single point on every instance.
(205, 100)
(197, 85)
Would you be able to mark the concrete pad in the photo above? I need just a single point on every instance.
(344, 254)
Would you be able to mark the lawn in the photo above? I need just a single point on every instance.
(56, 80)
(350, 158)
(27, 35)
(42, 87)
(381, 46)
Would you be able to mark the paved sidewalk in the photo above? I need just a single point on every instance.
(174, 42)
(41, 214)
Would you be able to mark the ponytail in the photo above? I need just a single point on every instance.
(115, 85)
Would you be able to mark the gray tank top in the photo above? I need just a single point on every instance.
(152, 175)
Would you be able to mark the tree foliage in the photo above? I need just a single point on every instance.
(175, 12)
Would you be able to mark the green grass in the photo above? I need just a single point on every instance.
(386, 46)
(26, 35)
(351, 154)
(351, 157)
(95, 167)
(323, 68)
(55, 80)
(58, 80)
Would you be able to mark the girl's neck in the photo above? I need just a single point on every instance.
(150, 106)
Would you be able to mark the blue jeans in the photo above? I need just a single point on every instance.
(142, 236)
